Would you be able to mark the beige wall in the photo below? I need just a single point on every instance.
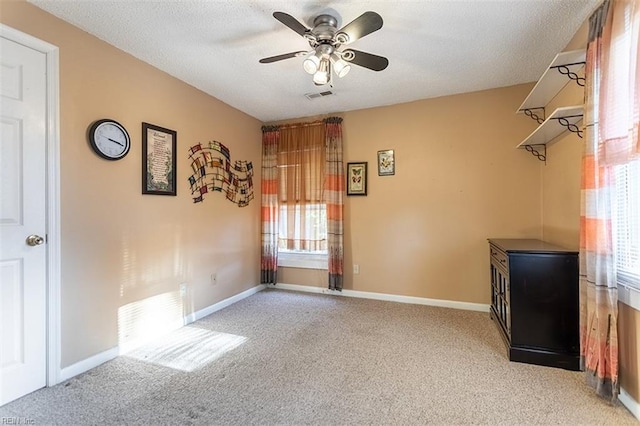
(561, 173)
(561, 179)
(124, 254)
(459, 180)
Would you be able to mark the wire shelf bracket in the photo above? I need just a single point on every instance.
(565, 69)
(535, 151)
(529, 112)
(572, 127)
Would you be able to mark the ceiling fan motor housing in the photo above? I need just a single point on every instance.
(325, 50)
(324, 28)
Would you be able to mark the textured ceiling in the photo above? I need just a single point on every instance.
(435, 47)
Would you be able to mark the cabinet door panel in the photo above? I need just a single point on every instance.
(544, 303)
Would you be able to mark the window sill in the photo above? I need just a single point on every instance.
(302, 260)
(629, 295)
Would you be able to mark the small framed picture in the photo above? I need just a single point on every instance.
(158, 160)
(386, 163)
(357, 178)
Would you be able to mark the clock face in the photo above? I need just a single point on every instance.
(109, 139)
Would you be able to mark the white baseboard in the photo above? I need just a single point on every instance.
(467, 306)
(222, 304)
(98, 359)
(631, 404)
(88, 364)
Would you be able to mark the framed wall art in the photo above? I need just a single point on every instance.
(158, 160)
(357, 178)
(386, 163)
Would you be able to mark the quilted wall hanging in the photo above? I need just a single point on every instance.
(213, 172)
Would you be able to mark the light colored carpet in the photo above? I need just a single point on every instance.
(283, 357)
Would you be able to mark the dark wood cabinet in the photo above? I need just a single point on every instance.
(535, 301)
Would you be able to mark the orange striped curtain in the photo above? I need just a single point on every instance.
(269, 211)
(333, 195)
(598, 286)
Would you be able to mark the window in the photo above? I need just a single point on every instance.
(626, 223)
(302, 233)
(315, 223)
(312, 223)
(618, 88)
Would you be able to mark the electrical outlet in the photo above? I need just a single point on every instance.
(356, 269)
(183, 289)
(214, 278)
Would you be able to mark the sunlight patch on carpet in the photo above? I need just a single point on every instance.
(188, 348)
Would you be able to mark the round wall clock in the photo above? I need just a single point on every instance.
(109, 139)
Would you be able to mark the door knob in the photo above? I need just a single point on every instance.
(34, 240)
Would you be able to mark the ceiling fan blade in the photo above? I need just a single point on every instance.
(367, 60)
(291, 22)
(363, 25)
(281, 57)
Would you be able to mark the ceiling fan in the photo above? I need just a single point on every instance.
(326, 42)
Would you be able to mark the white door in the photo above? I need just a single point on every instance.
(23, 292)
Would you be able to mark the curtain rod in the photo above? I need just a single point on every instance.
(309, 124)
(295, 125)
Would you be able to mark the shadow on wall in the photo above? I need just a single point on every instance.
(151, 266)
(162, 257)
(166, 266)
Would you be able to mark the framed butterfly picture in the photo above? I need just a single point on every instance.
(386, 163)
(357, 178)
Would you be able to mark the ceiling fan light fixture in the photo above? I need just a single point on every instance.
(324, 72)
(311, 63)
(340, 66)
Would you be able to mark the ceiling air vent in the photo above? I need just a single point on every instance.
(312, 96)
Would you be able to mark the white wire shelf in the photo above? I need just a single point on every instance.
(562, 69)
(560, 120)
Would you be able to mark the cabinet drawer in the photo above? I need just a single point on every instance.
(499, 257)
